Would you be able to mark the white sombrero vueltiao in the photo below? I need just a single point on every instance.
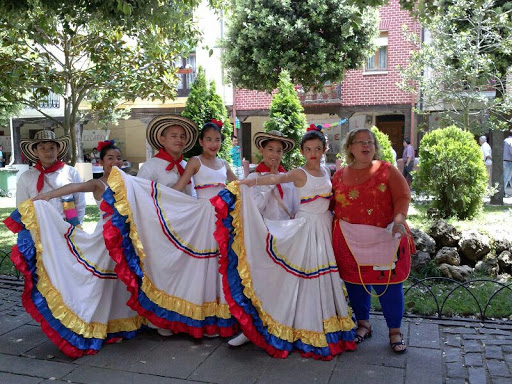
(261, 137)
(160, 123)
(28, 146)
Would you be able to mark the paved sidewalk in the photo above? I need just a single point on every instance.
(438, 352)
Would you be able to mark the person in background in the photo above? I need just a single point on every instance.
(49, 173)
(236, 158)
(94, 156)
(507, 162)
(486, 156)
(2, 161)
(408, 158)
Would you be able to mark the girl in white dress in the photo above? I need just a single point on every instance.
(163, 243)
(280, 277)
(71, 287)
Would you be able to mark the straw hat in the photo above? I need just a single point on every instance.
(160, 123)
(261, 137)
(28, 146)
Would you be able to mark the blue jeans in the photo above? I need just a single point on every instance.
(392, 302)
(507, 174)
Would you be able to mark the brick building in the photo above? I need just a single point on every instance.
(366, 97)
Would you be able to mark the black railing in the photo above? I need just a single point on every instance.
(51, 101)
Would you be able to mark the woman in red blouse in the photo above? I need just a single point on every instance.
(371, 197)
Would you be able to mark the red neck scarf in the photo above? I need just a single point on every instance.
(42, 171)
(172, 163)
(262, 167)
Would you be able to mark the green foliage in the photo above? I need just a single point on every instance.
(385, 146)
(451, 172)
(467, 56)
(316, 41)
(203, 105)
(287, 116)
(92, 53)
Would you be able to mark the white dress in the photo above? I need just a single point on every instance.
(280, 276)
(166, 252)
(71, 287)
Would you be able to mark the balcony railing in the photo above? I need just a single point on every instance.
(52, 101)
(331, 93)
(187, 77)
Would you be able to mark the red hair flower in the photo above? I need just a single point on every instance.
(218, 123)
(313, 127)
(102, 144)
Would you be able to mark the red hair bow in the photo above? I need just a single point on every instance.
(313, 127)
(102, 144)
(218, 123)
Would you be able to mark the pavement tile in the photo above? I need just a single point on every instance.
(452, 355)
(456, 370)
(49, 351)
(493, 352)
(452, 340)
(477, 375)
(366, 374)
(423, 335)
(119, 355)
(466, 331)
(21, 340)
(298, 370)
(424, 366)
(473, 360)
(9, 378)
(498, 368)
(244, 366)
(455, 380)
(8, 323)
(495, 331)
(95, 375)
(38, 368)
(507, 348)
(177, 356)
(500, 380)
(472, 346)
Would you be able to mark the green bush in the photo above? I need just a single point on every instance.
(452, 172)
(385, 146)
(203, 105)
(287, 116)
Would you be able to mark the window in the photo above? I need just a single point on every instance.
(379, 61)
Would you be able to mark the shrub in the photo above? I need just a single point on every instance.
(203, 105)
(386, 153)
(452, 172)
(287, 115)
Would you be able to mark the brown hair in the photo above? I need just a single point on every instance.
(349, 139)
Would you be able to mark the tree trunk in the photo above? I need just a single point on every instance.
(497, 138)
(79, 153)
(16, 127)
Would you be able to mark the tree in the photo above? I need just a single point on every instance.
(287, 116)
(455, 69)
(315, 41)
(385, 145)
(462, 69)
(92, 55)
(452, 172)
(203, 105)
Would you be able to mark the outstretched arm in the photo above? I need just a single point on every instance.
(88, 186)
(190, 170)
(295, 176)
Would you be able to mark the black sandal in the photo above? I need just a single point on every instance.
(360, 338)
(397, 344)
